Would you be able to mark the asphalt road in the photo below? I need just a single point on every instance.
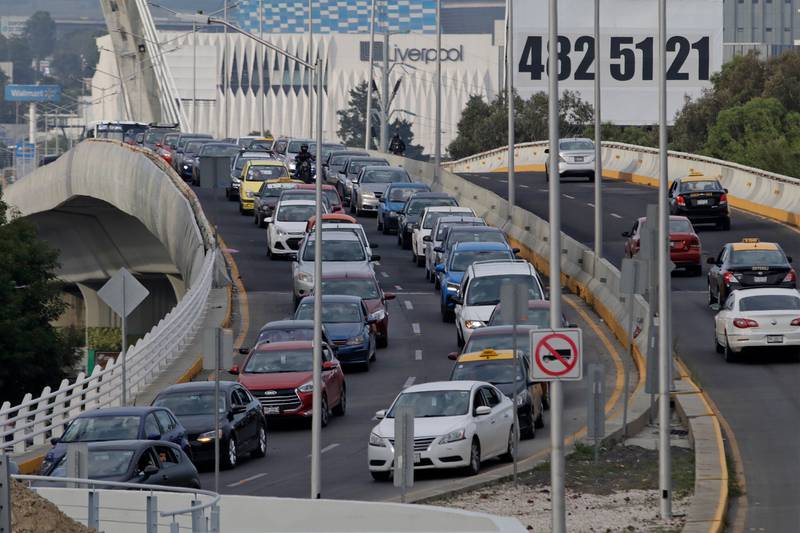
(760, 398)
(409, 358)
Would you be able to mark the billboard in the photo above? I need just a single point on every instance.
(628, 53)
(32, 93)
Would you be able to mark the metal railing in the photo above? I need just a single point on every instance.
(196, 512)
(29, 423)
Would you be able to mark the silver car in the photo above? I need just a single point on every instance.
(370, 184)
(575, 158)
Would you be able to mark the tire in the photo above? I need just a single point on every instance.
(384, 229)
(724, 224)
(459, 338)
(383, 341)
(341, 409)
(353, 210)
(255, 217)
(381, 476)
(437, 283)
(539, 422)
(230, 454)
(420, 260)
(711, 298)
(447, 313)
(325, 411)
(405, 241)
(697, 270)
(591, 177)
(530, 430)
(717, 346)
(474, 458)
(261, 445)
(261, 223)
(241, 210)
(511, 450)
(380, 224)
(729, 355)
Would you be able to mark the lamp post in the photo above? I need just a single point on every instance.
(368, 129)
(438, 133)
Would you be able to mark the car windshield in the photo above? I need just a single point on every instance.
(153, 137)
(427, 404)
(416, 205)
(296, 213)
(95, 428)
(680, 226)
(332, 312)
(363, 288)
(385, 176)
(191, 403)
(286, 334)
(495, 372)
(332, 197)
(101, 463)
(271, 362)
(266, 172)
(500, 341)
(442, 229)
(534, 317)
(757, 258)
(770, 302)
(339, 161)
(294, 146)
(462, 260)
(240, 162)
(336, 250)
(474, 236)
(486, 290)
(356, 166)
(194, 147)
(261, 144)
(569, 146)
(701, 186)
(401, 194)
(431, 218)
(219, 150)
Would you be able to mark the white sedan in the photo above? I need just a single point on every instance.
(287, 226)
(429, 217)
(457, 424)
(753, 318)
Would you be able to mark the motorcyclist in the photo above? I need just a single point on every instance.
(397, 146)
(302, 162)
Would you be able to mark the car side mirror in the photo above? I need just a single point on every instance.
(789, 258)
(547, 150)
(440, 267)
(483, 410)
(515, 250)
(438, 250)
(389, 296)
(711, 261)
(154, 436)
(150, 470)
(452, 356)
(238, 409)
(458, 300)
(267, 220)
(427, 238)
(234, 370)
(330, 365)
(244, 350)
(725, 190)
(375, 258)
(55, 440)
(626, 233)
(380, 415)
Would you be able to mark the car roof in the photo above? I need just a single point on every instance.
(492, 268)
(334, 298)
(504, 330)
(409, 185)
(265, 163)
(336, 236)
(473, 229)
(534, 304)
(193, 386)
(468, 246)
(766, 291)
(286, 324)
(444, 385)
(574, 139)
(297, 202)
(744, 246)
(286, 345)
(381, 167)
(127, 444)
(365, 158)
(449, 209)
(486, 355)
(430, 194)
(139, 410)
(312, 186)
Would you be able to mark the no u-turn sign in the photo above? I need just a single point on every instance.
(556, 354)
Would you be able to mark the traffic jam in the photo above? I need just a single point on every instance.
(459, 423)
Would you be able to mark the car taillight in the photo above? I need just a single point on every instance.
(723, 199)
(790, 277)
(745, 323)
(680, 200)
(729, 278)
(796, 321)
(694, 242)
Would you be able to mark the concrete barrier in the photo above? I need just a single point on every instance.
(771, 195)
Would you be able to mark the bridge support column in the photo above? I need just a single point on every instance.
(178, 286)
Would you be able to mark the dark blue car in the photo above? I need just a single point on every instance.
(117, 423)
(392, 203)
(346, 319)
(461, 257)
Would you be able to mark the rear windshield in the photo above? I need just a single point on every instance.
(416, 205)
(401, 194)
(219, 150)
(333, 250)
(296, 213)
(680, 226)
(385, 176)
(701, 186)
(478, 236)
(462, 260)
(356, 166)
(486, 290)
(770, 302)
(568, 146)
(266, 172)
(758, 258)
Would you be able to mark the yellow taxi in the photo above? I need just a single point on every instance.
(254, 173)
(497, 368)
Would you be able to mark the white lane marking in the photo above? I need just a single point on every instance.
(568, 196)
(411, 293)
(415, 327)
(410, 381)
(543, 190)
(398, 287)
(590, 204)
(503, 181)
(615, 215)
(377, 263)
(384, 274)
(484, 177)
(408, 304)
(418, 355)
(326, 449)
(524, 186)
(248, 479)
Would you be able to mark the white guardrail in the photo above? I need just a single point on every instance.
(30, 423)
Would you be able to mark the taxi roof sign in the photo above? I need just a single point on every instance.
(751, 239)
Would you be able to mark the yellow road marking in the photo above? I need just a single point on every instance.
(244, 307)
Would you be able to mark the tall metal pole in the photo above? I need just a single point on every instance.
(261, 70)
(124, 345)
(217, 365)
(227, 67)
(368, 129)
(194, 77)
(438, 134)
(556, 393)
(510, 100)
(310, 70)
(316, 420)
(385, 93)
(598, 151)
(664, 282)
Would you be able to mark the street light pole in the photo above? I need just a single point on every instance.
(227, 65)
(385, 92)
(194, 76)
(438, 133)
(510, 102)
(598, 139)
(368, 130)
(310, 71)
(261, 70)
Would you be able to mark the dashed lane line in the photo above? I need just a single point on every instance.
(247, 479)
(326, 448)
(615, 215)
(418, 355)
(384, 274)
(525, 186)
(408, 304)
(568, 196)
(590, 204)
(415, 328)
(398, 287)
(410, 381)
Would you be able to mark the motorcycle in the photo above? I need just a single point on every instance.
(304, 171)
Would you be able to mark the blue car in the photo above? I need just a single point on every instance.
(460, 258)
(346, 319)
(117, 423)
(392, 203)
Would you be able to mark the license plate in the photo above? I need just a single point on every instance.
(272, 410)
(760, 279)
(417, 457)
(775, 339)
(579, 160)
(702, 202)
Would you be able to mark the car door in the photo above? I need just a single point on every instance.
(170, 471)
(722, 317)
(244, 420)
(330, 379)
(170, 431)
(483, 425)
(498, 427)
(152, 429)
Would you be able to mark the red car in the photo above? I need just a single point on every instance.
(330, 192)
(364, 285)
(279, 375)
(684, 244)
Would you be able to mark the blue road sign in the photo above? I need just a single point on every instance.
(25, 151)
(32, 93)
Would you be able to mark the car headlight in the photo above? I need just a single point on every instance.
(306, 387)
(292, 165)
(521, 399)
(380, 314)
(305, 277)
(236, 181)
(248, 194)
(472, 324)
(375, 440)
(454, 436)
(452, 287)
(208, 436)
(392, 214)
(358, 339)
(280, 232)
(561, 159)
(367, 194)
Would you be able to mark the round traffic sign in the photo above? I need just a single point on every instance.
(548, 356)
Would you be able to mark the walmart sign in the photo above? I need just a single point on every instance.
(32, 93)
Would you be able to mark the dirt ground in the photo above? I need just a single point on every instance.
(30, 513)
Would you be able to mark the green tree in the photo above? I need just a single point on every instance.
(33, 354)
(40, 32)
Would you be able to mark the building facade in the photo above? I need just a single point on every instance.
(766, 26)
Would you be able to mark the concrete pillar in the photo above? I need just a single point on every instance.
(159, 302)
(178, 286)
(98, 314)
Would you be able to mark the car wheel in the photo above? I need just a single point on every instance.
(437, 283)
(697, 270)
(261, 445)
(591, 177)
(420, 259)
(729, 355)
(341, 409)
(241, 209)
(380, 225)
(511, 450)
(459, 338)
(726, 224)
(261, 223)
(447, 313)
(325, 411)
(405, 241)
(538, 423)
(717, 346)
(427, 274)
(711, 299)
(380, 476)
(255, 217)
(474, 458)
(383, 340)
(230, 456)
